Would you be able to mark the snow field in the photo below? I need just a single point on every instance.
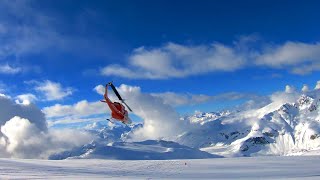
(303, 167)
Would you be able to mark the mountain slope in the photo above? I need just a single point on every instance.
(270, 130)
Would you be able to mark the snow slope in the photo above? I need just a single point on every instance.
(305, 167)
(144, 150)
(279, 128)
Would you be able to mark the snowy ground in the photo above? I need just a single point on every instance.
(305, 167)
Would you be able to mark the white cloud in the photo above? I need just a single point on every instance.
(160, 119)
(300, 58)
(22, 139)
(81, 108)
(289, 89)
(290, 53)
(53, 90)
(7, 69)
(24, 132)
(9, 109)
(80, 112)
(317, 85)
(100, 89)
(26, 98)
(305, 88)
(175, 60)
(289, 95)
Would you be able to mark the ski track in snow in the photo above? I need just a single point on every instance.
(305, 167)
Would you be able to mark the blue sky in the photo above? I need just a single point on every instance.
(57, 52)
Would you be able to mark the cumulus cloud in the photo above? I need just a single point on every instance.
(9, 109)
(24, 132)
(22, 139)
(176, 60)
(53, 90)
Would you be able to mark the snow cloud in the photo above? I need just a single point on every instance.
(52, 90)
(160, 119)
(177, 61)
(24, 132)
(289, 95)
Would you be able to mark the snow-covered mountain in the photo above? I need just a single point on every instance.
(270, 130)
(111, 143)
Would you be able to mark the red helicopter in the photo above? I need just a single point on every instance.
(118, 110)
